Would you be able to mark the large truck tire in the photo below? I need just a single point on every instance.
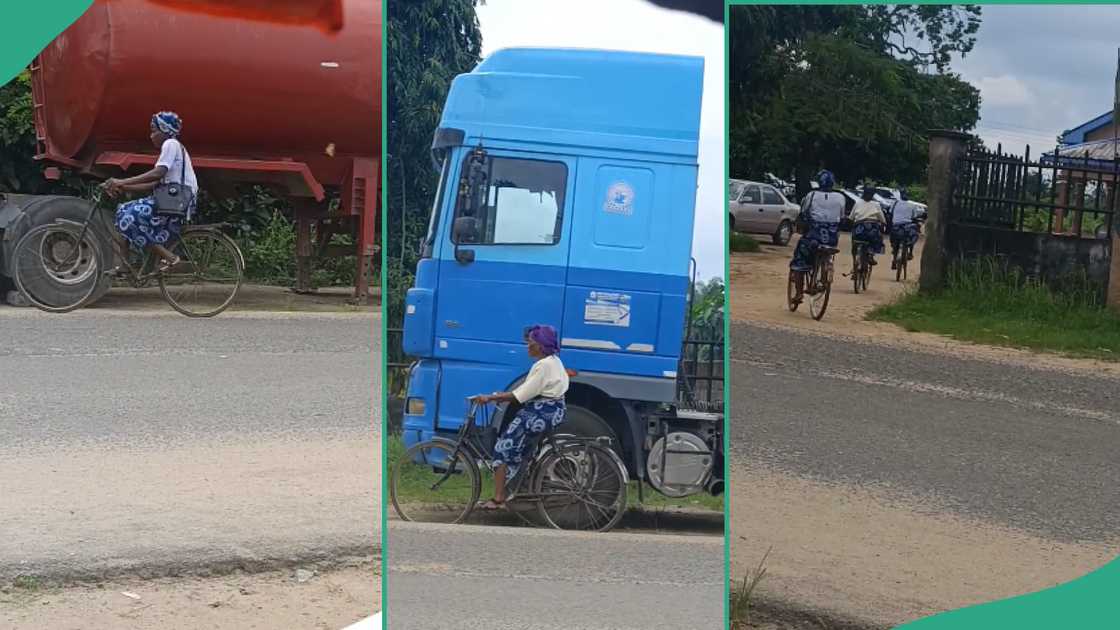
(41, 210)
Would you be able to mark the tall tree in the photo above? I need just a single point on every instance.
(428, 43)
(844, 87)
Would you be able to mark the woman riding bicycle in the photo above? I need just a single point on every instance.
(821, 211)
(541, 397)
(906, 221)
(138, 222)
(868, 224)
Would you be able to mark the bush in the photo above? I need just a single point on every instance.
(742, 243)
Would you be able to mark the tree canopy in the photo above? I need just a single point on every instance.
(848, 87)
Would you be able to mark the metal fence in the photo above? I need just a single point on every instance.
(1057, 194)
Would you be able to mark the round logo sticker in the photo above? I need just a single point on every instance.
(620, 199)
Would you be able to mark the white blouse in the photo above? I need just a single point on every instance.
(547, 379)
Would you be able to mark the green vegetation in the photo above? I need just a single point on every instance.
(987, 302)
(742, 243)
(742, 594)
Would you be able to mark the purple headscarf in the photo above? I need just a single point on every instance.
(545, 337)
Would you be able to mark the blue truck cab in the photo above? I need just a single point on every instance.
(567, 197)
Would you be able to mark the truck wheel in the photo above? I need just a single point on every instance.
(586, 423)
(50, 208)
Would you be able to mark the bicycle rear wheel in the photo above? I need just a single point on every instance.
(206, 280)
(900, 265)
(818, 301)
(580, 486)
(56, 267)
(428, 486)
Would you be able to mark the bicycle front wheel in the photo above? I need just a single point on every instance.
(431, 483)
(56, 267)
(207, 278)
(580, 486)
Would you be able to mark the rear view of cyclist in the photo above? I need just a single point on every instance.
(868, 225)
(821, 211)
(906, 220)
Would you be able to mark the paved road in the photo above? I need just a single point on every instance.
(463, 576)
(891, 484)
(1032, 449)
(149, 443)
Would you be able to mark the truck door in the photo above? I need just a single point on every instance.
(505, 253)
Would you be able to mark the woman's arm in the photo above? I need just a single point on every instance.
(495, 397)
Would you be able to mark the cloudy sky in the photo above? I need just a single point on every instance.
(1041, 70)
(640, 26)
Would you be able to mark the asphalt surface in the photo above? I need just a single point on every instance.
(151, 444)
(463, 576)
(1033, 449)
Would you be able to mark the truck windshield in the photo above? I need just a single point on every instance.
(524, 203)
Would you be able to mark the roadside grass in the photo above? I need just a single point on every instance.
(986, 302)
(742, 594)
(416, 480)
(739, 242)
(22, 591)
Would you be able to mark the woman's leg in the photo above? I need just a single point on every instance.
(500, 484)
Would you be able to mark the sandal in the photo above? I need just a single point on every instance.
(168, 265)
(491, 505)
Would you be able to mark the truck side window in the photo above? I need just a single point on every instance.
(524, 203)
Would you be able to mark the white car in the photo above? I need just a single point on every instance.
(758, 208)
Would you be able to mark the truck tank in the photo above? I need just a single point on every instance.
(245, 89)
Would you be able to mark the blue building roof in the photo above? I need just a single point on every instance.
(1077, 134)
(589, 98)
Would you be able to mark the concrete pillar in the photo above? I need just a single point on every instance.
(945, 149)
(1061, 202)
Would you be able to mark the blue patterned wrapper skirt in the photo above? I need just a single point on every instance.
(827, 234)
(903, 235)
(534, 417)
(138, 222)
(870, 233)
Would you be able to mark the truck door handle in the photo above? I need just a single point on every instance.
(464, 256)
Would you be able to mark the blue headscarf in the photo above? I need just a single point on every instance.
(826, 180)
(168, 123)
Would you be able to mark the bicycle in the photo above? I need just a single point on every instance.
(902, 255)
(817, 283)
(570, 482)
(861, 272)
(58, 266)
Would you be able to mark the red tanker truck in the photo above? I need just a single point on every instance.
(262, 102)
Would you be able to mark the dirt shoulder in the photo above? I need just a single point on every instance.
(300, 598)
(865, 541)
(758, 294)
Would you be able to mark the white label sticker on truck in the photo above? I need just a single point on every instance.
(607, 309)
(620, 199)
